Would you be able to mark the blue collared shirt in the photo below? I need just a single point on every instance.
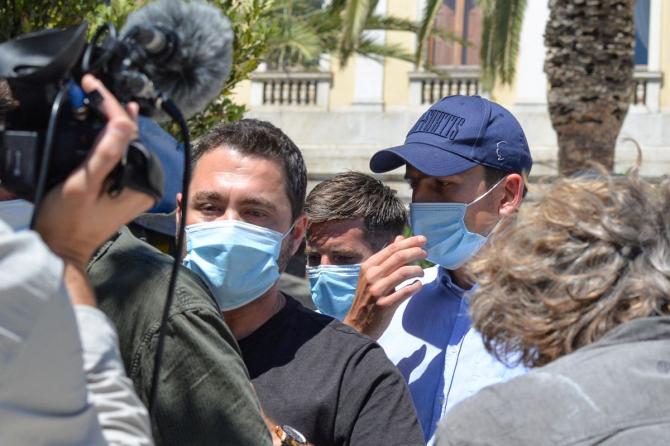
(443, 359)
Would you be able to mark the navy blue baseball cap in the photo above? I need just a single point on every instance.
(456, 134)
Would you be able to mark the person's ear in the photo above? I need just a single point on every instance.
(510, 200)
(298, 233)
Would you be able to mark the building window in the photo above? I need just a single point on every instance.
(641, 32)
(464, 19)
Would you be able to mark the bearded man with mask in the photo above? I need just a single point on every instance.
(464, 159)
(204, 393)
(317, 378)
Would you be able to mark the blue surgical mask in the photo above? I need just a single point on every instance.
(237, 260)
(16, 213)
(450, 244)
(333, 288)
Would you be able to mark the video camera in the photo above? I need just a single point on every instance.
(159, 57)
(169, 50)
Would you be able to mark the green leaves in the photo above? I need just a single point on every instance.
(355, 14)
(304, 30)
(288, 34)
(252, 21)
(500, 39)
(301, 29)
(374, 50)
(253, 27)
(22, 16)
(427, 23)
(252, 24)
(116, 14)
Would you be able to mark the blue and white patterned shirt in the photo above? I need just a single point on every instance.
(443, 359)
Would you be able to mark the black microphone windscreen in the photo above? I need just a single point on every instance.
(199, 71)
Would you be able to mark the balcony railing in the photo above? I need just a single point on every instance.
(647, 88)
(427, 88)
(290, 89)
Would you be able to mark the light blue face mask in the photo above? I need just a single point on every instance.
(450, 244)
(237, 260)
(333, 288)
(16, 213)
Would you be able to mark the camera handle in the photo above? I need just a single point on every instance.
(140, 170)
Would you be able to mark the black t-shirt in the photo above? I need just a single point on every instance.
(331, 383)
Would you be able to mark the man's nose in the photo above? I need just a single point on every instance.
(418, 194)
(424, 192)
(229, 214)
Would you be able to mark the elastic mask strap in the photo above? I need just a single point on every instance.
(487, 192)
(289, 230)
(482, 196)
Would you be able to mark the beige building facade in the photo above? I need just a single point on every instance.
(339, 116)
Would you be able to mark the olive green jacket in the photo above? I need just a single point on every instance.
(205, 396)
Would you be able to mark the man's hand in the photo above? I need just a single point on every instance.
(376, 296)
(77, 216)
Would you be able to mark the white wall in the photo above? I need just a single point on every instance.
(531, 82)
(369, 82)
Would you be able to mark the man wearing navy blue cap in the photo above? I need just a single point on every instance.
(465, 160)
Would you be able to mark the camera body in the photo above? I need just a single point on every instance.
(54, 125)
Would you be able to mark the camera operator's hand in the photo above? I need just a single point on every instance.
(77, 216)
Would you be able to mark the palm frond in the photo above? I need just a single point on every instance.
(299, 30)
(427, 21)
(340, 28)
(354, 17)
(502, 20)
(390, 23)
(378, 51)
(336, 6)
(294, 43)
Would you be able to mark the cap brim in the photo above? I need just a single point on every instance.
(430, 160)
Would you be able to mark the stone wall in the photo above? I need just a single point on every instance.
(334, 141)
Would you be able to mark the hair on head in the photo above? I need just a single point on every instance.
(353, 195)
(252, 137)
(592, 253)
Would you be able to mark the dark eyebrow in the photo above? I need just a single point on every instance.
(345, 253)
(207, 196)
(258, 201)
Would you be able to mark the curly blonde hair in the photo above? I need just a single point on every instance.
(591, 254)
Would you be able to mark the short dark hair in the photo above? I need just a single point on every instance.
(262, 139)
(493, 175)
(353, 195)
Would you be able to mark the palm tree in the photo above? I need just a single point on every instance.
(502, 20)
(589, 66)
(304, 29)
